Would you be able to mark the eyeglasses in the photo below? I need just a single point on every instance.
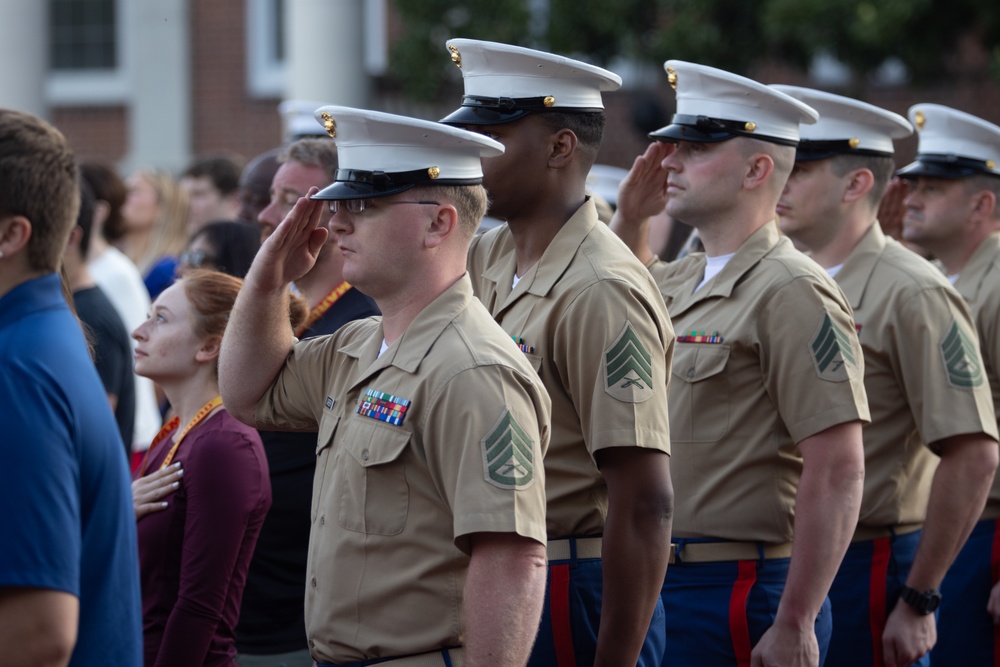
(195, 258)
(356, 206)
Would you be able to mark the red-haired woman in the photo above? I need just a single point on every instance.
(195, 544)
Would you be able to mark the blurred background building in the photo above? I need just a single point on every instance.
(154, 82)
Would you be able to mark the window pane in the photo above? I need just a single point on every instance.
(83, 34)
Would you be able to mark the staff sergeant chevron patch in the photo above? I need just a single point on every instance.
(628, 368)
(961, 359)
(832, 352)
(508, 454)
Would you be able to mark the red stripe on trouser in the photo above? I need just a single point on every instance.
(562, 632)
(876, 596)
(739, 628)
(994, 577)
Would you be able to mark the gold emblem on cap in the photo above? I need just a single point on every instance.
(991, 165)
(549, 101)
(433, 172)
(919, 119)
(328, 124)
(672, 77)
(750, 126)
(853, 142)
(456, 57)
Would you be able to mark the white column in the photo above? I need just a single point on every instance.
(159, 115)
(24, 40)
(326, 52)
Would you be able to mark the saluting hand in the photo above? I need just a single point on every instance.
(148, 492)
(291, 251)
(643, 191)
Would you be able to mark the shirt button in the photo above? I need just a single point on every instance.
(313, 582)
(690, 373)
(364, 455)
(322, 520)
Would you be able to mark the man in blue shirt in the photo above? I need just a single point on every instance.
(69, 585)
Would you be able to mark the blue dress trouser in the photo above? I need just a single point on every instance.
(966, 633)
(716, 612)
(864, 593)
(571, 617)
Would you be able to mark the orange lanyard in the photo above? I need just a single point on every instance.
(322, 307)
(170, 426)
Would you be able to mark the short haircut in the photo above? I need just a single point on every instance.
(39, 180)
(587, 126)
(315, 152)
(782, 156)
(882, 168)
(85, 218)
(980, 182)
(470, 201)
(108, 186)
(223, 170)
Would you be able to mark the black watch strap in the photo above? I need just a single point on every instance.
(923, 602)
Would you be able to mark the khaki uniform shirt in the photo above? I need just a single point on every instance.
(767, 355)
(924, 374)
(439, 438)
(590, 320)
(979, 285)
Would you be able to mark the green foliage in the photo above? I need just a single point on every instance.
(732, 34)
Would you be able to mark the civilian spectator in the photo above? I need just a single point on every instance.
(212, 185)
(255, 185)
(228, 246)
(69, 589)
(110, 341)
(121, 281)
(195, 546)
(155, 224)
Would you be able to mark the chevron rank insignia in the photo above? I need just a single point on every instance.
(961, 359)
(832, 351)
(628, 368)
(508, 454)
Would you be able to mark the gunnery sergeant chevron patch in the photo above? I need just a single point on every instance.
(832, 351)
(508, 454)
(628, 368)
(961, 359)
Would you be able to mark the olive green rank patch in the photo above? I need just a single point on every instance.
(628, 368)
(508, 454)
(961, 359)
(831, 351)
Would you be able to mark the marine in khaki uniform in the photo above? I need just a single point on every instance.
(767, 397)
(925, 381)
(952, 212)
(590, 320)
(428, 516)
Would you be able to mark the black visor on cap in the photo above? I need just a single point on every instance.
(476, 110)
(945, 166)
(357, 184)
(705, 130)
(809, 151)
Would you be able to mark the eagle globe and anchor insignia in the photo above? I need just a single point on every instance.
(628, 368)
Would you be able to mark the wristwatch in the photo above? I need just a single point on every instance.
(925, 602)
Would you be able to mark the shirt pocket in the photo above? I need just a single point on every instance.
(700, 396)
(371, 478)
(324, 440)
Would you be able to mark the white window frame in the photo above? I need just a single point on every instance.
(96, 86)
(265, 74)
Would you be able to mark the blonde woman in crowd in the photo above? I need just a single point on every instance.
(154, 226)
